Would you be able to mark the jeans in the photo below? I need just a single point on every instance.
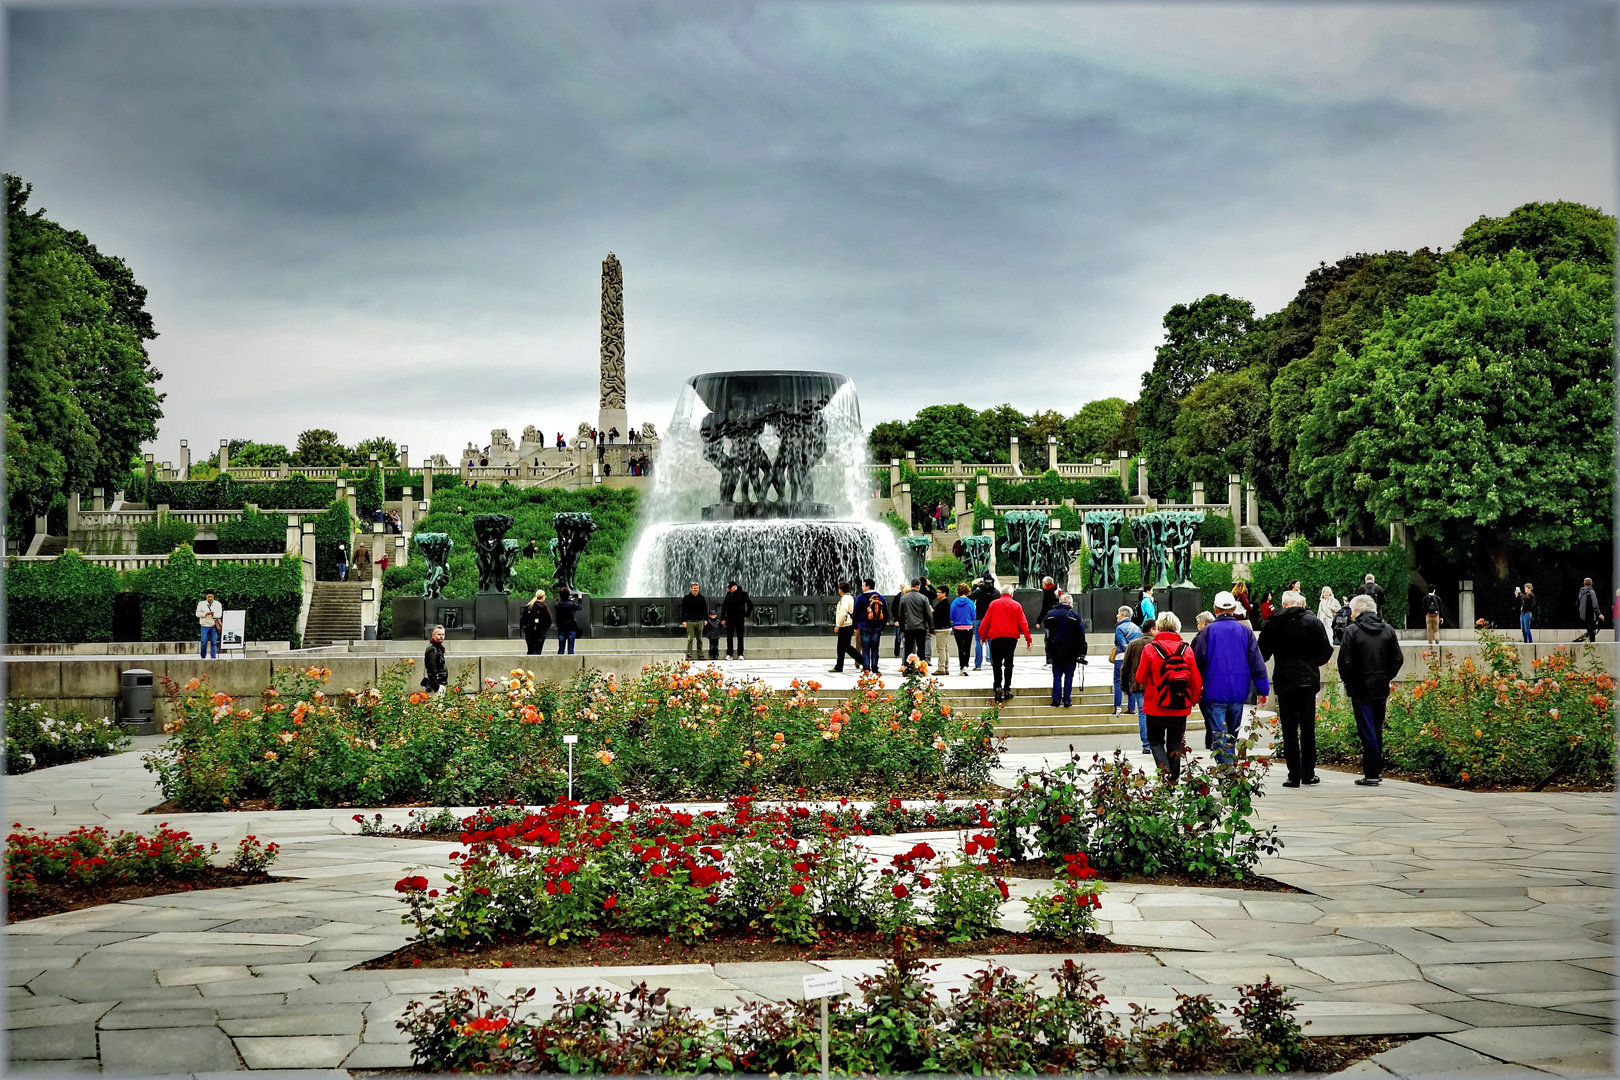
(1166, 736)
(845, 635)
(1062, 680)
(210, 640)
(871, 639)
(1137, 704)
(1524, 624)
(536, 643)
(978, 648)
(566, 636)
(1296, 712)
(1225, 717)
(899, 641)
(1001, 660)
(1119, 692)
(343, 571)
(1370, 729)
(738, 628)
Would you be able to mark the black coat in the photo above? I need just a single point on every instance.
(1374, 590)
(982, 595)
(1369, 658)
(535, 620)
(736, 607)
(566, 610)
(1065, 634)
(942, 614)
(1048, 602)
(436, 672)
(1299, 641)
(1587, 604)
(693, 608)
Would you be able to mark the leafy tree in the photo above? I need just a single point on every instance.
(1203, 338)
(1214, 424)
(1549, 233)
(319, 448)
(1101, 428)
(889, 440)
(1480, 413)
(945, 433)
(998, 426)
(386, 449)
(246, 453)
(1042, 426)
(79, 383)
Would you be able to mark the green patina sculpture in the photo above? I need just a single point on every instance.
(1148, 530)
(1061, 548)
(976, 553)
(495, 554)
(915, 549)
(435, 548)
(1181, 532)
(573, 533)
(1027, 544)
(1102, 541)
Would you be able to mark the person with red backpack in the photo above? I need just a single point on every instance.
(1171, 686)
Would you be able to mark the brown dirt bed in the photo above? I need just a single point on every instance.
(52, 898)
(1254, 883)
(1429, 781)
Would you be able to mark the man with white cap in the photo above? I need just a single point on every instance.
(1229, 659)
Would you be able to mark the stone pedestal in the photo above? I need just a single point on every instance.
(1186, 603)
(410, 617)
(490, 616)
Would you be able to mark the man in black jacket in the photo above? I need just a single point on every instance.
(734, 612)
(1370, 587)
(1299, 642)
(1065, 646)
(1368, 660)
(915, 616)
(694, 609)
(983, 593)
(568, 608)
(435, 672)
(1589, 608)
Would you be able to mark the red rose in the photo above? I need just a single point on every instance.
(900, 892)
(610, 903)
(797, 889)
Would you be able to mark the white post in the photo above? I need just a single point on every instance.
(570, 740)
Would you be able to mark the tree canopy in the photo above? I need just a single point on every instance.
(1203, 338)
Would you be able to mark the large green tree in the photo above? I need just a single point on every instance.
(1550, 233)
(945, 433)
(1100, 429)
(79, 394)
(319, 448)
(1214, 424)
(1481, 414)
(1203, 338)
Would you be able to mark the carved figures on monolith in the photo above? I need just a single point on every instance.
(573, 533)
(976, 553)
(494, 553)
(1102, 539)
(1026, 544)
(435, 549)
(915, 549)
(1148, 531)
(1061, 548)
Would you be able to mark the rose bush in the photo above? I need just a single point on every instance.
(89, 856)
(38, 737)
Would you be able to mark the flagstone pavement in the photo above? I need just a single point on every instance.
(1480, 922)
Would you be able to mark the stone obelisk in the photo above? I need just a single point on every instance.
(612, 412)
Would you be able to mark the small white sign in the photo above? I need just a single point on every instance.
(570, 739)
(825, 985)
(233, 634)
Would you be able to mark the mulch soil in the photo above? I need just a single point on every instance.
(53, 898)
(614, 949)
(1429, 781)
(1254, 883)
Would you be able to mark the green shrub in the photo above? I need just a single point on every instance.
(947, 571)
(1344, 573)
(162, 537)
(38, 737)
(222, 492)
(253, 533)
(66, 599)
(1217, 530)
(270, 594)
(332, 528)
(369, 495)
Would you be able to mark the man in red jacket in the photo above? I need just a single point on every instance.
(1003, 622)
(1171, 684)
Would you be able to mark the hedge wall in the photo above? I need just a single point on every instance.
(332, 528)
(395, 483)
(369, 495)
(223, 493)
(253, 533)
(1344, 573)
(162, 537)
(270, 594)
(66, 599)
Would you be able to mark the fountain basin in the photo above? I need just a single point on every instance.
(790, 557)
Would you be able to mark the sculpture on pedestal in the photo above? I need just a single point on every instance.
(976, 553)
(1148, 530)
(435, 549)
(494, 553)
(1181, 532)
(1102, 539)
(746, 407)
(915, 549)
(1027, 544)
(1061, 548)
(573, 533)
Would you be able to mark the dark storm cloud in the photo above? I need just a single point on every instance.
(379, 218)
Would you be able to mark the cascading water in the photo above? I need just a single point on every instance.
(762, 480)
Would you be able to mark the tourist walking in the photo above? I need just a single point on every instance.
(916, 618)
(984, 594)
(568, 609)
(1133, 689)
(1299, 642)
(942, 631)
(1432, 617)
(531, 549)
(1125, 632)
(362, 561)
(1589, 608)
(1001, 626)
(1171, 684)
(694, 608)
(435, 670)
(1049, 596)
(1327, 608)
(1230, 667)
(535, 622)
(1202, 620)
(1148, 605)
(1369, 660)
(1240, 593)
(735, 611)
(210, 614)
(844, 627)
(927, 589)
(342, 563)
(899, 630)
(1065, 647)
(1370, 587)
(1526, 597)
(711, 630)
(871, 613)
(964, 617)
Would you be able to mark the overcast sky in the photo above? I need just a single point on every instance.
(390, 219)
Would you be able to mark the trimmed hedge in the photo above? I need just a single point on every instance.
(270, 594)
(369, 495)
(1217, 531)
(253, 533)
(66, 599)
(1343, 572)
(395, 483)
(224, 493)
(332, 528)
(162, 537)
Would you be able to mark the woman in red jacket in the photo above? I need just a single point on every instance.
(1171, 684)
(1002, 623)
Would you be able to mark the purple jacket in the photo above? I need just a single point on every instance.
(1228, 656)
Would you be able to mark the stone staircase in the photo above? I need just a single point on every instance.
(52, 546)
(1253, 536)
(334, 614)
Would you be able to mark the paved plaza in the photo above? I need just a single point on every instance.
(1480, 922)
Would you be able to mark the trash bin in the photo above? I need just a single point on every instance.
(135, 705)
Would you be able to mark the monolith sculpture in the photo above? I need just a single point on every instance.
(612, 413)
(1061, 548)
(495, 554)
(573, 533)
(435, 549)
(1102, 541)
(915, 550)
(976, 553)
(1027, 544)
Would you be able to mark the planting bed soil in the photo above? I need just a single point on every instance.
(1254, 882)
(52, 898)
(1428, 781)
(612, 949)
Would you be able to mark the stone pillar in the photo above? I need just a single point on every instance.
(1012, 455)
(378, 546)
(1234, 502)
(1251, 504)
(982, 488)
(405, 458)
(98, 499)
(894, 476)
(224, 454)
(1198, 493)
(185, 460)
(911, 460)
(73, 515)
(372, 462)
(1141, 478)
(1341, 538)
(294, 531)
(407, 511)
(1051, 452)
(1398, 534)
(286, 470)
(1124, 470)
(961, 504)
(150, 468)
(902, 504)
(612, 412)
(427, 480)
(402, 551)
(1465, 607)
(351, 496)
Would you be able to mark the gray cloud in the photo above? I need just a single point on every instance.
(390, 218)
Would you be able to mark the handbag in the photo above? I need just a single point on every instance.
(1112, 649)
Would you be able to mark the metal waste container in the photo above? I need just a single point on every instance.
(135, 704)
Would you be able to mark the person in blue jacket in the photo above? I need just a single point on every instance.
(1125, 632)
(964, 619)
(1229, 659)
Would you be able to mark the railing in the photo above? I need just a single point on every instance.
(117, 520)
(1080, 469)
(141, 562)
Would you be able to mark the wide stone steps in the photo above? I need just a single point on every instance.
(334, 614)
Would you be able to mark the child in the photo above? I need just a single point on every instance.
(711, 627)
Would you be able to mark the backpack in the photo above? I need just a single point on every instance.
(876, 612)
(1176, 677)
(1341, 623)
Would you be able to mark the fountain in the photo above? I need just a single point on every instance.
(762, 480)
